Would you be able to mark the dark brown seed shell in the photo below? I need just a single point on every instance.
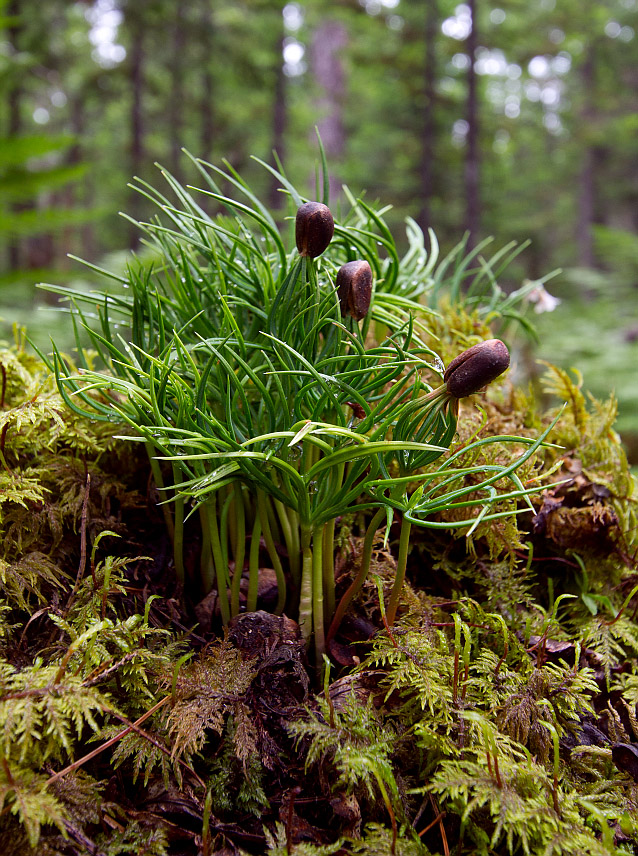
(476, 367)
(314, 228)
(354, 284)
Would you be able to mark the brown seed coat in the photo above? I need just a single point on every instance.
(354, 284)
(314, 228)
(476, 367)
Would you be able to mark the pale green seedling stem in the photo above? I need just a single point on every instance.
(178, 532)
(159, 482)
(262, 508)
(317, 595)
(305, 594)
(253, 566)
(328, 571)
(206, 568)
(355, 586)
(399, 577)
(221, 572)
(289, 540)
(239, 546)
(225, 527)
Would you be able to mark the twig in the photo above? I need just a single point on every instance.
(158, 745)
(290, 815)
(446, 846)
(432, 823)
(104, 671)
(85, 758)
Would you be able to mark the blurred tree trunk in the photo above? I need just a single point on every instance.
(176, 95)
(78, 193)
(472, 160)
(279, 114)
(14, 115)
(136, 80)
(329, 40)
(587, 177)
(428, 143)
(42, 250)
(207, 106)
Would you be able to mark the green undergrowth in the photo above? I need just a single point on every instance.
(497, 716)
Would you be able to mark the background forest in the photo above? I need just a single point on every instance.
(510, 119)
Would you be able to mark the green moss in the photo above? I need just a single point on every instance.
(486, 717)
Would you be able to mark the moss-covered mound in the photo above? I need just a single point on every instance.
(498, 715)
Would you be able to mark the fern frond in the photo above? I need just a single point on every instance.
(205, 691)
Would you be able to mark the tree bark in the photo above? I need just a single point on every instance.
(586, 180)
(279, 117)
(472, 160)
(74, 192)
(136, 79)
(329, 40)
(428, 147)
(14, 118)
(176, 95)
(207, 106)
(14, 93)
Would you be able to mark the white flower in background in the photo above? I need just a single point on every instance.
(543, 300)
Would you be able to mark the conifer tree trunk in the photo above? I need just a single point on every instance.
(176, 95)
(586, 181)
(78, 193)
(207, 104)
(472, 160)
(279, 115)
(14, 115)
(428, 144)
(330, 38)
(136, 15)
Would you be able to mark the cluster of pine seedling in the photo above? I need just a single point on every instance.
(468, 565)
(287, 387)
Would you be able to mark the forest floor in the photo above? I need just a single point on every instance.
(495, 716)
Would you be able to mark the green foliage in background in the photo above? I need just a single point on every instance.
(598, 335)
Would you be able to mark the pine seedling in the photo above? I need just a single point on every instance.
(249, 372)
